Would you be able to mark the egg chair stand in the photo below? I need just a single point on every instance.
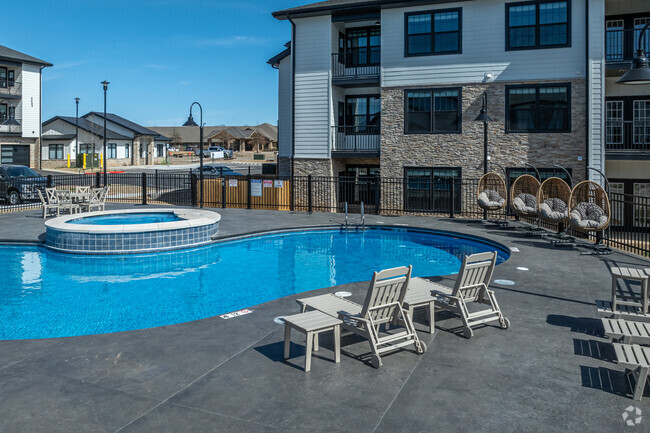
(491, 195)
(590, 211)
(523, 201)
(553, 207)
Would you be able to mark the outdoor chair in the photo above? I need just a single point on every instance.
(589, 207)
(47, 206)
(627, 331)
(553, 200)
(523, 195)
(491, 192)
(636, 361)
(65, 201)
(95, 200)
(471, 287)
(382, 306)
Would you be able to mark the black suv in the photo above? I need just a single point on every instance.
(19, 183)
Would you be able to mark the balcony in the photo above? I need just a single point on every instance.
(356, 68)
(355, 141)
(620, 46)
(627, 137)
(11, 89)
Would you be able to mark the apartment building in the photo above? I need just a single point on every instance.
(627, 110)
(392, 88)
(20, 107)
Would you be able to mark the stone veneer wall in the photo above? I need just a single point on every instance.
(399, 150)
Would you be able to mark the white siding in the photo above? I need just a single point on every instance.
(483, 50)
(612, 89)
(596, 87)
(284, 107)
(312, 49)
(30, 106)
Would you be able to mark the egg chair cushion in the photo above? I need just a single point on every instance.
(554, 209)
(491, 199)
(525, 203)
(588, 216)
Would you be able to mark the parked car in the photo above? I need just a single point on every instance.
(207, 153)
(216, 170)
(20, 183)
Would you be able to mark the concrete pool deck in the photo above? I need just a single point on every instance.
(551, 371)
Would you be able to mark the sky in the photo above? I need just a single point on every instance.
(158, 55)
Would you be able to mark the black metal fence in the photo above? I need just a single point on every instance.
(442, 197)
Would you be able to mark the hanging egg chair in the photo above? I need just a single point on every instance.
(523, 195)
(491, 192)
(589, 208)
(553, 200)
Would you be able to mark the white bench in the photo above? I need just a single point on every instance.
(627, 331)
(636, 360)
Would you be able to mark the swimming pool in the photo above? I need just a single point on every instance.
(130, 218)
(51, 294)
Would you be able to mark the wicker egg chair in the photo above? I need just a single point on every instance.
(589, 208)
(553, 200)
(491, 192)
(523, 195)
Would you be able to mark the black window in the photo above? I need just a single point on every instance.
(430, 188)
(127, 148)
(85, 148)
(11, 77)
(160, 149)
(358, 184)
(111, 152)
(3, 112)
(542, 24)
(538, 108)
(362, 114)
(3, 77)
(433, 111)
(544, 173)
(435, 32)
(56, 151)
(363, 46)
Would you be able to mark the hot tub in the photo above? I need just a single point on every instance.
(131, 231)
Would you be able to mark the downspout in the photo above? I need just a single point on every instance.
(588, 101)
(40, 119)
(293, 93)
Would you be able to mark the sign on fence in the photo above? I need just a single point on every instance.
(278, 183)
(268, 184)
(256, 187)
(232, 182)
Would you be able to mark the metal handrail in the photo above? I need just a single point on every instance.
(363, 217)
(357, 63)
(356, 138)
(627, 135)
(621, 44)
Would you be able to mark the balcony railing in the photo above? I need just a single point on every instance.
(362, 63)
(356, 138)
(10, 87)
(627, 136)
(620, 45)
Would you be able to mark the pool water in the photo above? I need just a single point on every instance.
(49, 294)
(131, 218)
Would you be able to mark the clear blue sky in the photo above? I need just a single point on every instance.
(158, 55)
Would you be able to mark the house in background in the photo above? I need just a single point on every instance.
(383, 88)
(20, 107)
(127, 142)
(237, 138)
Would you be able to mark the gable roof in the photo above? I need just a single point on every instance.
(275, 60)
(190, 134)
(90, 127)
(7, 53)
(325, 7)
(138, 129)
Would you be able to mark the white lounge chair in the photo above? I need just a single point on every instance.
(47, 206)
(627, 331)
(636, 360)
(383, 305)
(471, 287)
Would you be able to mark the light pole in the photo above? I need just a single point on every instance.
(76, 132)
(483, 117)
(191, 122)
(105, 84)
(639, 72)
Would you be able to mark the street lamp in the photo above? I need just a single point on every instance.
(483, 117)
(105, 84)
(76, 132)
(191, 122)
(639, 72)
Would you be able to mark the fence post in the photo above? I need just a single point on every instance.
(223, 192)
(156, 177)
(248, 180)
(377, 195)
(144, 188)
(49, 181)
(309, 204)
(452, 191)
(97, 180)
(193, 191)
(292, 179)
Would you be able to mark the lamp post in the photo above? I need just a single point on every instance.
(483, 117)
(76, 132)
(191, 122)
(639, 72)
(105, 84)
